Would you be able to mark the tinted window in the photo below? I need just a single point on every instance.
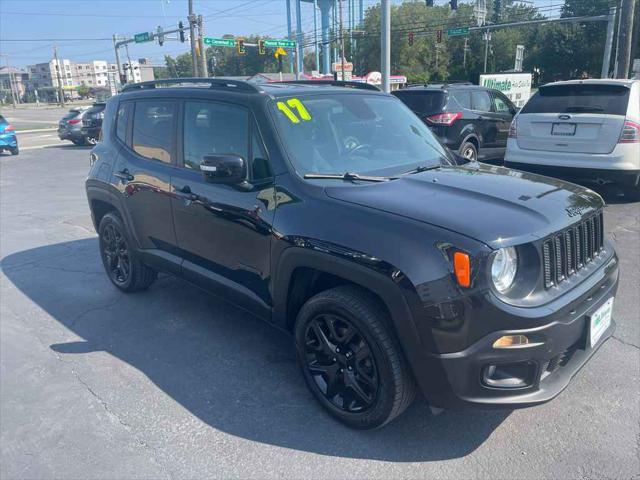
(481, 101)
(500, 103)
(214, 128)
(463, 97)
(579, 98)
(124, 111)
(423, 102)
(153, 130)
(260, 167)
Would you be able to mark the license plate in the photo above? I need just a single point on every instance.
(563, 129)
(600, 321)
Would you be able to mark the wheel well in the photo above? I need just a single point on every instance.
(474, 140)
(100, 209)
(306, 282)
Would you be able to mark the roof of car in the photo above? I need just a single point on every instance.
(596, 81)
(273, 89)
(440, 86)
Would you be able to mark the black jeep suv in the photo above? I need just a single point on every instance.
(336, 215)
(471, 120)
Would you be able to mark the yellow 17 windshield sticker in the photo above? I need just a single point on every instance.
(297, 105)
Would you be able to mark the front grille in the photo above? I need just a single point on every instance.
(567, 252)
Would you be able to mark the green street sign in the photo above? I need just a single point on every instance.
(458, 31)
(220, 42)
(280, 43)
(143, 37)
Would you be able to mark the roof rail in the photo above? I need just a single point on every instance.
(213, 83)
(333, 83)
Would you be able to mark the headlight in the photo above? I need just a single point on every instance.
(503, 268)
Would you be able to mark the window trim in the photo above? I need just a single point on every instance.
(174, 124)
(496, 94)
(129, 127)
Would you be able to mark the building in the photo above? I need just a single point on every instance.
(146, 70)
(42, 75)
(92, 74)
(13, 80)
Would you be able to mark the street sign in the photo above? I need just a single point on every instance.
(458, 31)
(143, 37)
(220, 42)
(280, 43)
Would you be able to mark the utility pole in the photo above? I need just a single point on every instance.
(193, 39)
(133, 76)
(464, 53)
(203, 53)
(385, 46)
(625, 33)
(608, 44)
(115, 46)
(58, 76)
(487, 38)
(341, 39)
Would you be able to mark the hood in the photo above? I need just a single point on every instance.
(497, 206)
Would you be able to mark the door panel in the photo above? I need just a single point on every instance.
(485, 122)
(223, 231)
(503, 111)
(145, 184)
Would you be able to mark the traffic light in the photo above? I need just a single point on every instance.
(181, 32)
(439, 35)
(454, 4)
(160, 35)
(411, 39)
(429, 3)
(261, 49)
(240, 46)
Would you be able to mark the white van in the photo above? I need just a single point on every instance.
(580, 130)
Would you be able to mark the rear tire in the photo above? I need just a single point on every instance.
(350, 360)
(14, 150)
(78, 143)
(120, 261)
(90, 141)
(469, 151)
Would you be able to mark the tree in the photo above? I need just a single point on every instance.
(83, 90)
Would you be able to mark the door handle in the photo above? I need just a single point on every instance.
(185, 193)
(124, 175)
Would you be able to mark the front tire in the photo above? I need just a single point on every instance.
(350, 360)
(120, 262)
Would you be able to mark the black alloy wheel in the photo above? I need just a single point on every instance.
(350, 358)
(116, 255)
(341, 363)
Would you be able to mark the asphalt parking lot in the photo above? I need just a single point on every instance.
(175, 383)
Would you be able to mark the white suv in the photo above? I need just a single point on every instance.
(581, 130)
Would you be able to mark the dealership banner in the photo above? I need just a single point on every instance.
(516, 86)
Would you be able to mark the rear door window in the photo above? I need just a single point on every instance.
(122, 120)
(153, 129)
(423, 102)
(463, 97)
(481, 101)
(580, 98)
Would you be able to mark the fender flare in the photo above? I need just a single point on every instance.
(389, 291)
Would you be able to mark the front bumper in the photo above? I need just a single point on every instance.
(564, 349)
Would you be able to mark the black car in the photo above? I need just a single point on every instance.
(92, 123)
(470, 120)
(336, 215)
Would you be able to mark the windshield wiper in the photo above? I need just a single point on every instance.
(422, 168)
(348, 176)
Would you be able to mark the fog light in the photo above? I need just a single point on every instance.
(511, 341)
(510, 375)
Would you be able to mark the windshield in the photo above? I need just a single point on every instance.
(365, 134)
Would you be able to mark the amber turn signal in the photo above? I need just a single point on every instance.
(462, 268)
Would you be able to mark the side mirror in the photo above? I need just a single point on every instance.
(229, 169)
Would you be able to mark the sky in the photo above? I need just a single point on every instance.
(82, 30)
